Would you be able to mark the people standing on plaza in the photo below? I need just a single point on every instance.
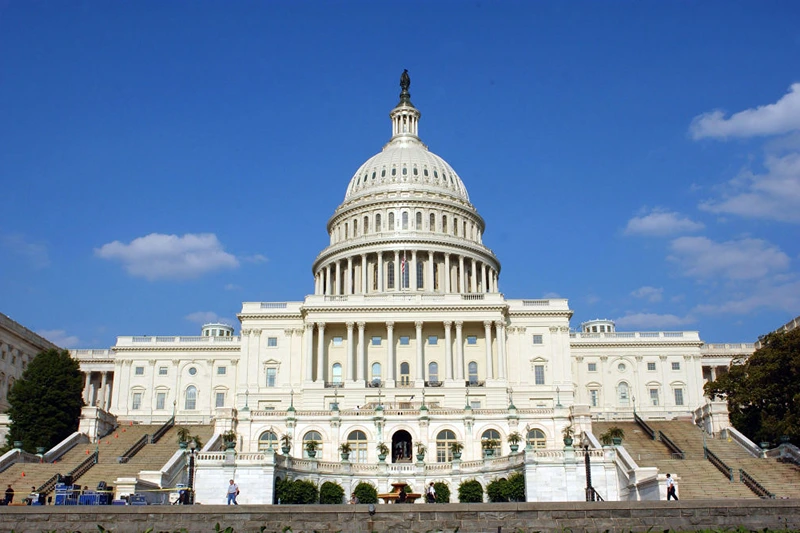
(233, 492)
(430, 494)
(9, 495)
(353, 499)
(671, 488)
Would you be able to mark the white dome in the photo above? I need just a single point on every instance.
(406, 164)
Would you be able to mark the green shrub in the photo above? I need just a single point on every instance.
(470, 491)
(331, 493)
(366, 493)
(516, 487)
(297, 492)
(497, 489)
(442, 492)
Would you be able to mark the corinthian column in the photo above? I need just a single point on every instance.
(487, 328)
(321, 351)
(360, 366)
(459, 350)
(420, 363)
(448, 350)
(351, 353)
(309, 351)
(501, 348)
(390, 352)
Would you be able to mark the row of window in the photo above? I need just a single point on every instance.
(624, 398)
(404, 172)
(651, 366)
(189, 399)
(457, 227)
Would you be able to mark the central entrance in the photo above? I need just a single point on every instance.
(401, 447)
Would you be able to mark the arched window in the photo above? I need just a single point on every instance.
(336, 373)
(420, 274)
(433, 372)
(455, 226)
(366, 225)
(315, 436)
(491, 434)
(391, 222)
(358, 446)
(435, 276)
(405, 375)
(191, 398)
(444, 224)
(405, 219)
(536, 439)
(622, 393)
(375, 278)
(378, 225)
(419, 221)
(376, 373)
(406, 273)
(444, 440)
(432, 222)
(390, 275)
(472, 368)
(346, 230)
(267, 440)
(355, 228)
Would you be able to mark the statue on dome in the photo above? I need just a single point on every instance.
(405, 80)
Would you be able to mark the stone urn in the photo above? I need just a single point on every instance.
(183, 444)
(18, 444)
(346, 456)
(286, 449)
(420, 457)
(456, 456)
(382, 457)
(230, 444)
(514, 447)
(311, 453)
(567, 441)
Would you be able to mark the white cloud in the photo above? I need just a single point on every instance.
(34, 254)
(651, 294)
(780, 296)
(159, 256)
(551, 295)
(742, 259)
(202, 317)
(781, 117)
(60, 338)
(660, 222)
(232, 287)
(255, 258)
(652, 321)
(774, 195)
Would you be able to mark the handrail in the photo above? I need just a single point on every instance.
(677, 452)
(592, 495)
(755, 486)
(719, 463)
(48, 485)
(138, 445)
(84, 467)
(644, 425)
(162, 430)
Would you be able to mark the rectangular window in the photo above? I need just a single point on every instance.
(272, 342)
(678, 396)
(475, 404)
(162, 371)
(472, 339)
(651, 366)
(139, 371)
(272, 373)
(404, 341)
(222, 370)
(593, 395)
(220, 399)
(376, 341)
(538, 372)
(161, 400)
(654, 397)
(676, 366)
(537, 339)
(337, 341)
(592, 367)
(433, 340)
(137, 401)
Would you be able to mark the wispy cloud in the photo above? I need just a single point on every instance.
(661, 223)
(159, 256)
(255, 258)
(232, 287)
(206, 317)
(59, 337)
(702, 258)
(652, 320)
(783, 296)
(34, 254)
(651, 294)
(772, 119)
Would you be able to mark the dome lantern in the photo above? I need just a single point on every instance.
(405, 117)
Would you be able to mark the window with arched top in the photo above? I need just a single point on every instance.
(432, 222)
(355, 228)
(444, 440)
(472, 370)
(391, 222)
(266, 441)
(418, 221)
(190, 402)
(336, 373)
(491, 435)
(366, 225)
(375, 278)
(405, 219)
(316, 437)
(390, 275)
(405, 374)
(455, 226)
(346, 230)
(623, 393)
(420, 274)
(536, 439)
(378, 225)
(358, 446)
(376, 373)
(405, 273)
(444, 224)
(433, 371)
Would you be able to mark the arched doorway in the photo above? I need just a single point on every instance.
(401, 447)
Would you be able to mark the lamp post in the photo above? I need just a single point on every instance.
(587, 462)
(558, 397)
(192, 451)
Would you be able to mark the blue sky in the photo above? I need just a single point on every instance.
(161, 162)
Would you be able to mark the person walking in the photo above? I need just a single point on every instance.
(671, 488)
(430, 494)
(9, 495)
(233, 492)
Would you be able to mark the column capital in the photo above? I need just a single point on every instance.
(321, 325)
(554, 329)
(309, 325)
(487, 323)
(418, 323)
(448, 323)
(288, 332)
(362, 325)
(350, 325)
(459, 324)
(499, 324)
(390, 325)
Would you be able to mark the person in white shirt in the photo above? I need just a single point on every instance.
(671, 488)
(233, 492)
(430, 495)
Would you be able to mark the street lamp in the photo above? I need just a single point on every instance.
(192, 451)
(587, 462)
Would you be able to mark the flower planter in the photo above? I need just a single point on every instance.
(311, 453)
(286, 449)
(616, 441)
(183, 444)
(230, 445)
(420, 457)
(18, 444)
(514, 447)
(567, 441)
(382, 457)
(489, 452)
(345, 456)
(456, 456)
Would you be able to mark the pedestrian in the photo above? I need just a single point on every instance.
(353, 498)
(401, 497)
(430, 494)
(671, 488)
(33, 496)
(9, 495)
(233, 492)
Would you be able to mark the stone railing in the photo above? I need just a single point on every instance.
(390, 410)
(755, 486)
(412, 298)
(125, 341)
(737, 437)
(631, 335)
(719, 463)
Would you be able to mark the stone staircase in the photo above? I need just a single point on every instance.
(21, 476)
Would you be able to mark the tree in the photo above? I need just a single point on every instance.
(470, 491)
(762, 392)
(366, 493)
(331, 493)
(45, 403)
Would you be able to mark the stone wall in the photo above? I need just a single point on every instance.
(477, 518)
